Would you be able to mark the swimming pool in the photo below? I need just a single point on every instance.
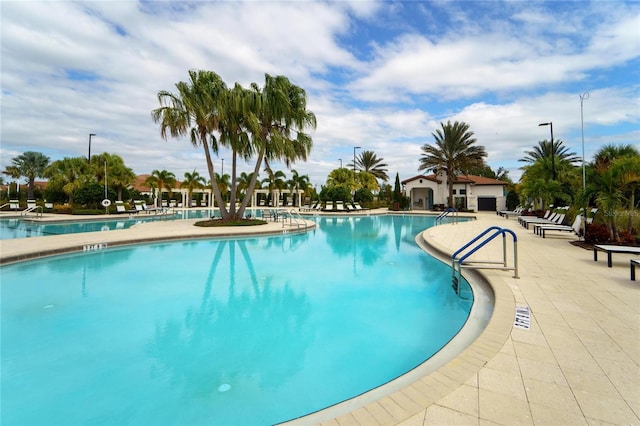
(242, 331)
(11, 228)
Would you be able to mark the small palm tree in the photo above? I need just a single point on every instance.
(192, 181)
(31, 165)
(161, 179)
(454, 151)
(69, 174)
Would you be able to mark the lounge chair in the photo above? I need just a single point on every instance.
(576, 227)
(31, 204)
(516, 212)
(121, 208)
(340, 206)
(632, 264)
(522, 219)
(555, 219)
(14, 204)
(328, 206)
(357, 206)
(610, 249)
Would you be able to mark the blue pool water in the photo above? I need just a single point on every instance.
(19, 228)
(248, 331)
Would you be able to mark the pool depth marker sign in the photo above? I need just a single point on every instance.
(523, 318)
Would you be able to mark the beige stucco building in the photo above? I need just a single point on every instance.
(475, 193)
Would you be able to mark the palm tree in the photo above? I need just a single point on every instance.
(267, 124)
(161, 179)
(119, 176)
(30, 165)
(454, 151)
(192, 181)
(368, 161)
(195, 111)
(615, 180)
(69, 174)
(278, 121)
(298, 182)
(543, 151)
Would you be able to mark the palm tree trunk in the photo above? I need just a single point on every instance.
(214, 185)
(252, 183)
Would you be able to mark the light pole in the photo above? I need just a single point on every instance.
(354, 166)
(553, 162)
(222, 168)
(340, 162)
(89, 157)
(584, 96)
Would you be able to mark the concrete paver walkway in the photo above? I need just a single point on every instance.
(579, 363)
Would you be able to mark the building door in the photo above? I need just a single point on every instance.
(487, 204)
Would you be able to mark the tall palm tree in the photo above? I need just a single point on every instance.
(266, 123)
(192, 181)
(368, 161)
(196, 111)
(30, 165)
(161, 179)
(278, 121)
(454, 151)
(543, 151)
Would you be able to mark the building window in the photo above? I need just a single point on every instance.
(455, 191)
(463, 192)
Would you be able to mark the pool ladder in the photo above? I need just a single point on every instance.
(442, 216)
(459, 258)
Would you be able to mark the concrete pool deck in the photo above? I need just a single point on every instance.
(578, 363)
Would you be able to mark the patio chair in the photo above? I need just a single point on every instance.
(357, 206)
(328, 206)
(340, 206)
(610, 249)
(121, 208)
(14, 204)
(576, 227)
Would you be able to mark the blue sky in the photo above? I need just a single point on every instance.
(379, 75)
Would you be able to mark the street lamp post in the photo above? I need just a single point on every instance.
(553, 162)
(340, 162)
(584, 96)
(222, 168)
(354, 166)
(89, 157)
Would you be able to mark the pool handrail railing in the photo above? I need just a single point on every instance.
(460, 256)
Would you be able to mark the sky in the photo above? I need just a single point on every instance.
(382, 76)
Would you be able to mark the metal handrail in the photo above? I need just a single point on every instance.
(484, 264)
(293, 218)
(32, 209)
(445, 214)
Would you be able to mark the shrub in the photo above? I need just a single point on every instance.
(62, 208)
(596, 234)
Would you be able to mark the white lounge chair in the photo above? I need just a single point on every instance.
(542, 228)
(14, 204)
(340, 206)
(357, 206)
(121, 208)
(328, 206)
(555, 219)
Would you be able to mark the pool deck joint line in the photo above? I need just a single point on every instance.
(578, 363)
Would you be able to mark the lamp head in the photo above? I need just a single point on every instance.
(92, 134)
(544, 124)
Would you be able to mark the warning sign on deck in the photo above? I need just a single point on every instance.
(523, 318)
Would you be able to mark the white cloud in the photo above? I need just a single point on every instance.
(503, 73)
